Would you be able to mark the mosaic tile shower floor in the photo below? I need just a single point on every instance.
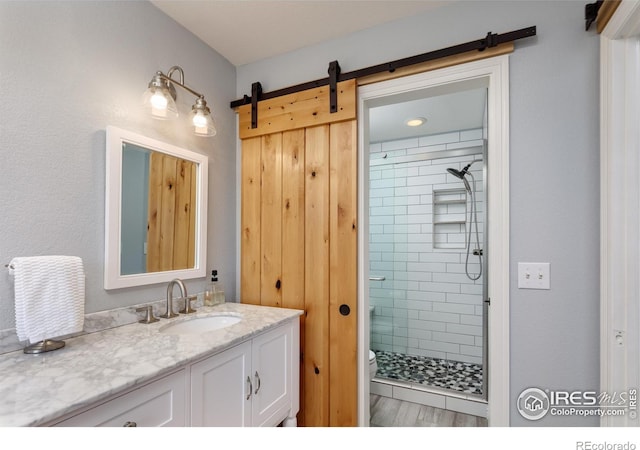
(455, 375)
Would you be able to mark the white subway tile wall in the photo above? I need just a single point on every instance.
(426, 306)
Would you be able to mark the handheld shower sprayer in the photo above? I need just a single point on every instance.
(461, 174)
(473, 217)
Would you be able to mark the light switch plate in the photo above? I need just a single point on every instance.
(534, 276)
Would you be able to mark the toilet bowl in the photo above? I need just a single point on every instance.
(373, 365)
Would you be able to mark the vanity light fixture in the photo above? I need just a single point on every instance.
(416, 121)
(159, 100)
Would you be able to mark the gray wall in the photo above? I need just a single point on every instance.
(135, 209)
(67, 70)
(554, 168)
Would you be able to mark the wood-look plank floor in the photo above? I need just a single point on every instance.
(389, 412)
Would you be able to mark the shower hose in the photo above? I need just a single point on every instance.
(473, 215)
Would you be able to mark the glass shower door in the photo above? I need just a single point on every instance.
(427, 317)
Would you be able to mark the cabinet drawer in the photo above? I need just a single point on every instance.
(159, 403)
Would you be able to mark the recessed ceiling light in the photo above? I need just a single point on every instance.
(416, 121)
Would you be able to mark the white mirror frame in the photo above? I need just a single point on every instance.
(113, 210)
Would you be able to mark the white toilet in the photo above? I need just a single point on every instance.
(373, 364)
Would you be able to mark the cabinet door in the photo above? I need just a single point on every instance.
(221, 389)
(271, 371)
(157, 404)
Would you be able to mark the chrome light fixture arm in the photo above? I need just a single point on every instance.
(168, 77)
(161, 95)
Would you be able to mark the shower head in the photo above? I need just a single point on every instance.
(462, 174)
(456, 173)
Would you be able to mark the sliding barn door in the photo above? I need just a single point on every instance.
(298, 237)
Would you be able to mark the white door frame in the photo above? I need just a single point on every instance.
(496, 72)
(619, 206)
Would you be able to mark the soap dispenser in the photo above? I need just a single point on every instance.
(208, 292)
(218, 291)
(214, 293)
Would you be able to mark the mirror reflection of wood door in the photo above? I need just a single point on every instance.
(171, 218)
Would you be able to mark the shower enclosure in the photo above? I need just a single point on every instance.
(427, 254)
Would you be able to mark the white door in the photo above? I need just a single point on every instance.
(620, 216)
(494, 73)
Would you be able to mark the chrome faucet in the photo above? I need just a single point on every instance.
(183, 292)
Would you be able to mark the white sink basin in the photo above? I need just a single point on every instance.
(201, 324)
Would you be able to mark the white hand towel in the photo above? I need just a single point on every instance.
(49, 296)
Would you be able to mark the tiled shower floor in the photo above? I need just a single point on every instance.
(455, 375)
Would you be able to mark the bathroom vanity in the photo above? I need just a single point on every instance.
(163, 374)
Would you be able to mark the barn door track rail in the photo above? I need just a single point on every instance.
(335, 75)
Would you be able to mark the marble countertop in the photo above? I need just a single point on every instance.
(35, 389)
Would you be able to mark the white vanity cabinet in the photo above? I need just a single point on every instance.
(252, 384)
(157, 404)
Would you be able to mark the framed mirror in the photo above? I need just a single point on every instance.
(155, 211)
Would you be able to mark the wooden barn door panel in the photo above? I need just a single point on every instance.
(250, 217)
(293, 229)
(271, 221)
(316, 243)
(343, 348)
(298, 238)
(293, 223)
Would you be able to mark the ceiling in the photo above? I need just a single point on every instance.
(463, 110)
(246, 31)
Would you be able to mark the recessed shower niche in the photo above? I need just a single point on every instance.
(449, 218)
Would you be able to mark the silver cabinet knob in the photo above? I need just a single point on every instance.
(130, 424)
